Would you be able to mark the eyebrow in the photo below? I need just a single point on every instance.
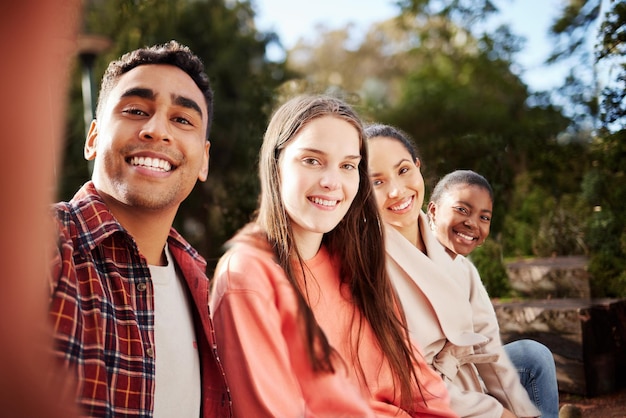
(149, 94)
(462, 202)
(186, 102)
(316, 151)
(139, 92)
(353, 157)
(402, 161)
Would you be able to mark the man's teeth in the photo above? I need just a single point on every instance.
(323, 202)
(153, 163)
(402, 205)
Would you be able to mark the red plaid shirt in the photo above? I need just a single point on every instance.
(102, 310)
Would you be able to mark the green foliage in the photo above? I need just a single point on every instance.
(225, 38)
(604, 185)
(468, 11)
(572, 24)
(460, 111)
(604, 188)
(74, 168)
(521, 223)
(458, 97)
(468, 111)
(561, 230)
(608, 274)
(544, 222)
(613, 50)
(488, 260)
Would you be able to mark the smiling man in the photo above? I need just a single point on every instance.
(129, 296)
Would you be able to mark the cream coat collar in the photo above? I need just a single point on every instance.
(437, 277)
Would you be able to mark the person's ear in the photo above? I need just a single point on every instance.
(431, 211)
(91, 141)
(418, 163)
(204, 169)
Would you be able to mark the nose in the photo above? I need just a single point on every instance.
(470, 222)
(394, 189)
(156, 129)
(330, 180)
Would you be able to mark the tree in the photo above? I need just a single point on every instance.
(457, 95)
(611, 52)
(243, 82)
(571, 32)
(603, 186)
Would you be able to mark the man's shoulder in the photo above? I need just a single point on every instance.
(85, 203)
(85, 217)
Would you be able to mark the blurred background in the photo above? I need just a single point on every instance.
(547, 128)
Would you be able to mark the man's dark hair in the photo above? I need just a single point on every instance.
(170, 53)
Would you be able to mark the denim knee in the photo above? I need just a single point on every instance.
(535, 365)
(532, 354)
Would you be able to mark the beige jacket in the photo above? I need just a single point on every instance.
(451, 317)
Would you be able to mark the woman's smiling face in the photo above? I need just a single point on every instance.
(319, 178)
(462, 218)
(397, 181)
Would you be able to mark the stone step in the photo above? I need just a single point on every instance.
(586, 336)
(553, 277)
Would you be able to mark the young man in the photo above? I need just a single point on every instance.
(129, 296)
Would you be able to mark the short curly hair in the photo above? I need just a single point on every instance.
(170, 53)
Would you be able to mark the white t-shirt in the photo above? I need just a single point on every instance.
(177, 384)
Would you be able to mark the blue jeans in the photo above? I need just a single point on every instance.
(535, 364)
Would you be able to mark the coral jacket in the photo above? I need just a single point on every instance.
(261, 342)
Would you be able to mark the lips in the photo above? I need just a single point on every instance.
(402, 205)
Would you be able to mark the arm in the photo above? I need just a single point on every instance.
(261, 344)
(473, 404)
(501, 378)
(40, 53)
(436, 398)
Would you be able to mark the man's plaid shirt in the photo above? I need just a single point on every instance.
(102, 311)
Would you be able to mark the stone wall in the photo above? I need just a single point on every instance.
(554, 277)
(586, 336)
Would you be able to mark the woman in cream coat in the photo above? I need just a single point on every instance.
(447, 307)
(459, 214)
